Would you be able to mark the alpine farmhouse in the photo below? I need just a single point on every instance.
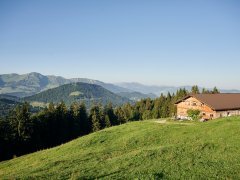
(211, 106)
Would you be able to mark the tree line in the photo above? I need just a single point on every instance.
(22, 132)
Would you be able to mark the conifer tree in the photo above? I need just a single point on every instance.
(107, 121)
(108, 111)
(85, 124)
(195, 90)
(62, 132)
(20, 122)
(73, 121)
(215, 90)
(95, 118)
(206, 91)
(120, 115)
(51, 107)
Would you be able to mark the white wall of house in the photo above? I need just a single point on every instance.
(227, 113)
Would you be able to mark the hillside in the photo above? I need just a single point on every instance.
(145, 150)
(32, 83)
(77, 92)
(7, 102)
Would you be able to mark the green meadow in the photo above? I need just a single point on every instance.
(151, 149)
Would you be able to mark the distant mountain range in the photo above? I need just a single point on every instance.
(33, 83)
(157, 90)
(77, 92)
(136, 96)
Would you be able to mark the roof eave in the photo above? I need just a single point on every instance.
(227, 109)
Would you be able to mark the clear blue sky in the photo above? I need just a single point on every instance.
(154, 42)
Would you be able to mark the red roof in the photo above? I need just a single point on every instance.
(218, 102)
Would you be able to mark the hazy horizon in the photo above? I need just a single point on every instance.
(121, 82)
(171, 43)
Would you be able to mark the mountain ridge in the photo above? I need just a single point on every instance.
(23, 85)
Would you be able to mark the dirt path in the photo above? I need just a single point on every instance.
(166, 122)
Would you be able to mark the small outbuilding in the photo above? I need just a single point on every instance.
(211, 106)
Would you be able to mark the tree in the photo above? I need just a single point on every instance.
(20, 130)
(85, 124)
(62, 124)
(181, 93)
(20, 122)
(205, 91)
(73, 121)
(107, 121)
(147, 114)
(135, 114)
(127, 112)
(195, 89)
(110, 117)
(95, 118)
(159, 103)
(170, 104)
(119, 115)
(215, 90)
(5, 140)
(148, 103)
(51, 107)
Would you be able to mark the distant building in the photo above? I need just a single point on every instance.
(211, 106)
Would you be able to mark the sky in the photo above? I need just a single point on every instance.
(153, 42)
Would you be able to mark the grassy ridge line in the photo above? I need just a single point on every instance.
(140, 150)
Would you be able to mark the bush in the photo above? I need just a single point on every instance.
(194, 114)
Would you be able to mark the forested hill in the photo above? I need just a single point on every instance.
(7, 102)
(78, 92)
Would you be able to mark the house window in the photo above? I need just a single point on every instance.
(194, 104)
(204, 114)
(211, 115)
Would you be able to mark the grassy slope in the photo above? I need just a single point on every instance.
(143, 150)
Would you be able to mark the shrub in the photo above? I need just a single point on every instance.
(194, 114)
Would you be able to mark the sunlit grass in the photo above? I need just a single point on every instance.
(144, 150)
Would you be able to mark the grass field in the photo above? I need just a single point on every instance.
(140, 150)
